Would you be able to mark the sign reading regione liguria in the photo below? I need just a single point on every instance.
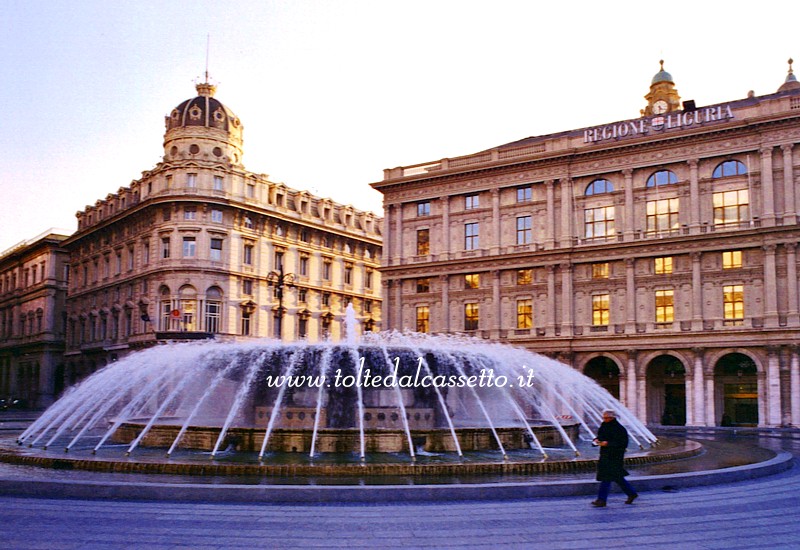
(660, 123)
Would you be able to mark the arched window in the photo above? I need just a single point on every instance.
(213, 312)
(729, 168)
(188, 307)
(599, 186)
(662, 177)
(166, 308)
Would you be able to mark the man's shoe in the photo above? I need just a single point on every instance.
(632, 498)
(598, 503)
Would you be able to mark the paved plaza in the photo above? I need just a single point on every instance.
(763, 513)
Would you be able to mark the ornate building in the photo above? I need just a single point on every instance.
(199, 247)
(657, 255)
(33, 291)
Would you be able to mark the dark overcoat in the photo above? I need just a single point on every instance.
(610, 466)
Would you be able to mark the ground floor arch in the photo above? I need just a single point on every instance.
(666, 391)
(605, 371)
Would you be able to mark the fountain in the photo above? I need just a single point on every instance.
(401, 396)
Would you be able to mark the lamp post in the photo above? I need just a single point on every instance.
(279, 279)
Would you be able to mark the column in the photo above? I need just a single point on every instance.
(628, 393)
(770, 288)
(794, 383)
(768, 203)
(398, 249)
(630, 296)
(386, 305)
(387, 234)
(498, 312)
(550, 325)
(698, 389)
(398, 305)
(566, 212)
(697, 292)
(694, 196)
(763, 392)
(792, 312)
(629, 208)
(773, 387)
(567, 299)
(711, 414)
(689, 382)
(496, 221)
(550, 227)
(789, 194)
(445, 246)
(444, 281)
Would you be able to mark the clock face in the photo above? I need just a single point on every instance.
(660, 107)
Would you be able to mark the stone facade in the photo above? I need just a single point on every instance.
(657, 255)
(199, 247)
(33, 290)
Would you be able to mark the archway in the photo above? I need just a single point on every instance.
(666, 391)
(605, 372)
(736, 390)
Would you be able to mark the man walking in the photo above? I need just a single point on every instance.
(612, 438)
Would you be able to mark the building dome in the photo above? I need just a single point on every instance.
(791, 82)
(202, 128)
(203, 110)
(662, 75)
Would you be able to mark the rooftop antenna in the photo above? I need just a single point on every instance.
(208, 49)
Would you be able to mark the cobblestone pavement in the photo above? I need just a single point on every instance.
(763, 513)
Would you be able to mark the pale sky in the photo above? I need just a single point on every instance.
(332, 92)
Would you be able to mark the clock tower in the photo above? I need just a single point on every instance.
(663, 98)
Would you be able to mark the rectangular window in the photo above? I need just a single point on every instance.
(130, 258)
(326, 299)
(146, 253)
(423, 285)
(424, 208)
(302, 295)
(190, 213)
(524, 314)
(279, 259)
(423, 242)
(663, 265)
(423, 319)
(191, 180)
(367, 306)
(166, 214)
(731, 207)
(600, 270)
(213, 316)
(245, 323)
(368, 279)
(117, 264)
(326, 270)
(216, 250)
(217, 183)
(247, 286)
(665, 307)
(303, 267)
(348, 274)
(471, 237)
(600, 310)
(732, 259)
(189, 247)
(598, 222)
(471, 201)
(524, 235)
(165, 247)
(733, 305)
(251, 191)
(472, 280)
(247, 257)
(216, 216)
(524, 276)
(662, 216)
(524, 194)
(471, 316)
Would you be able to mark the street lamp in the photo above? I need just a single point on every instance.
(279, 279)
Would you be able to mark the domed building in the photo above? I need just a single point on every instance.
(199, 247)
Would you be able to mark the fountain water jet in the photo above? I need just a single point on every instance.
(386, 393)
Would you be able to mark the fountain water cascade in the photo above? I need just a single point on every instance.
(410, 394)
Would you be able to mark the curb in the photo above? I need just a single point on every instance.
(330, 494)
